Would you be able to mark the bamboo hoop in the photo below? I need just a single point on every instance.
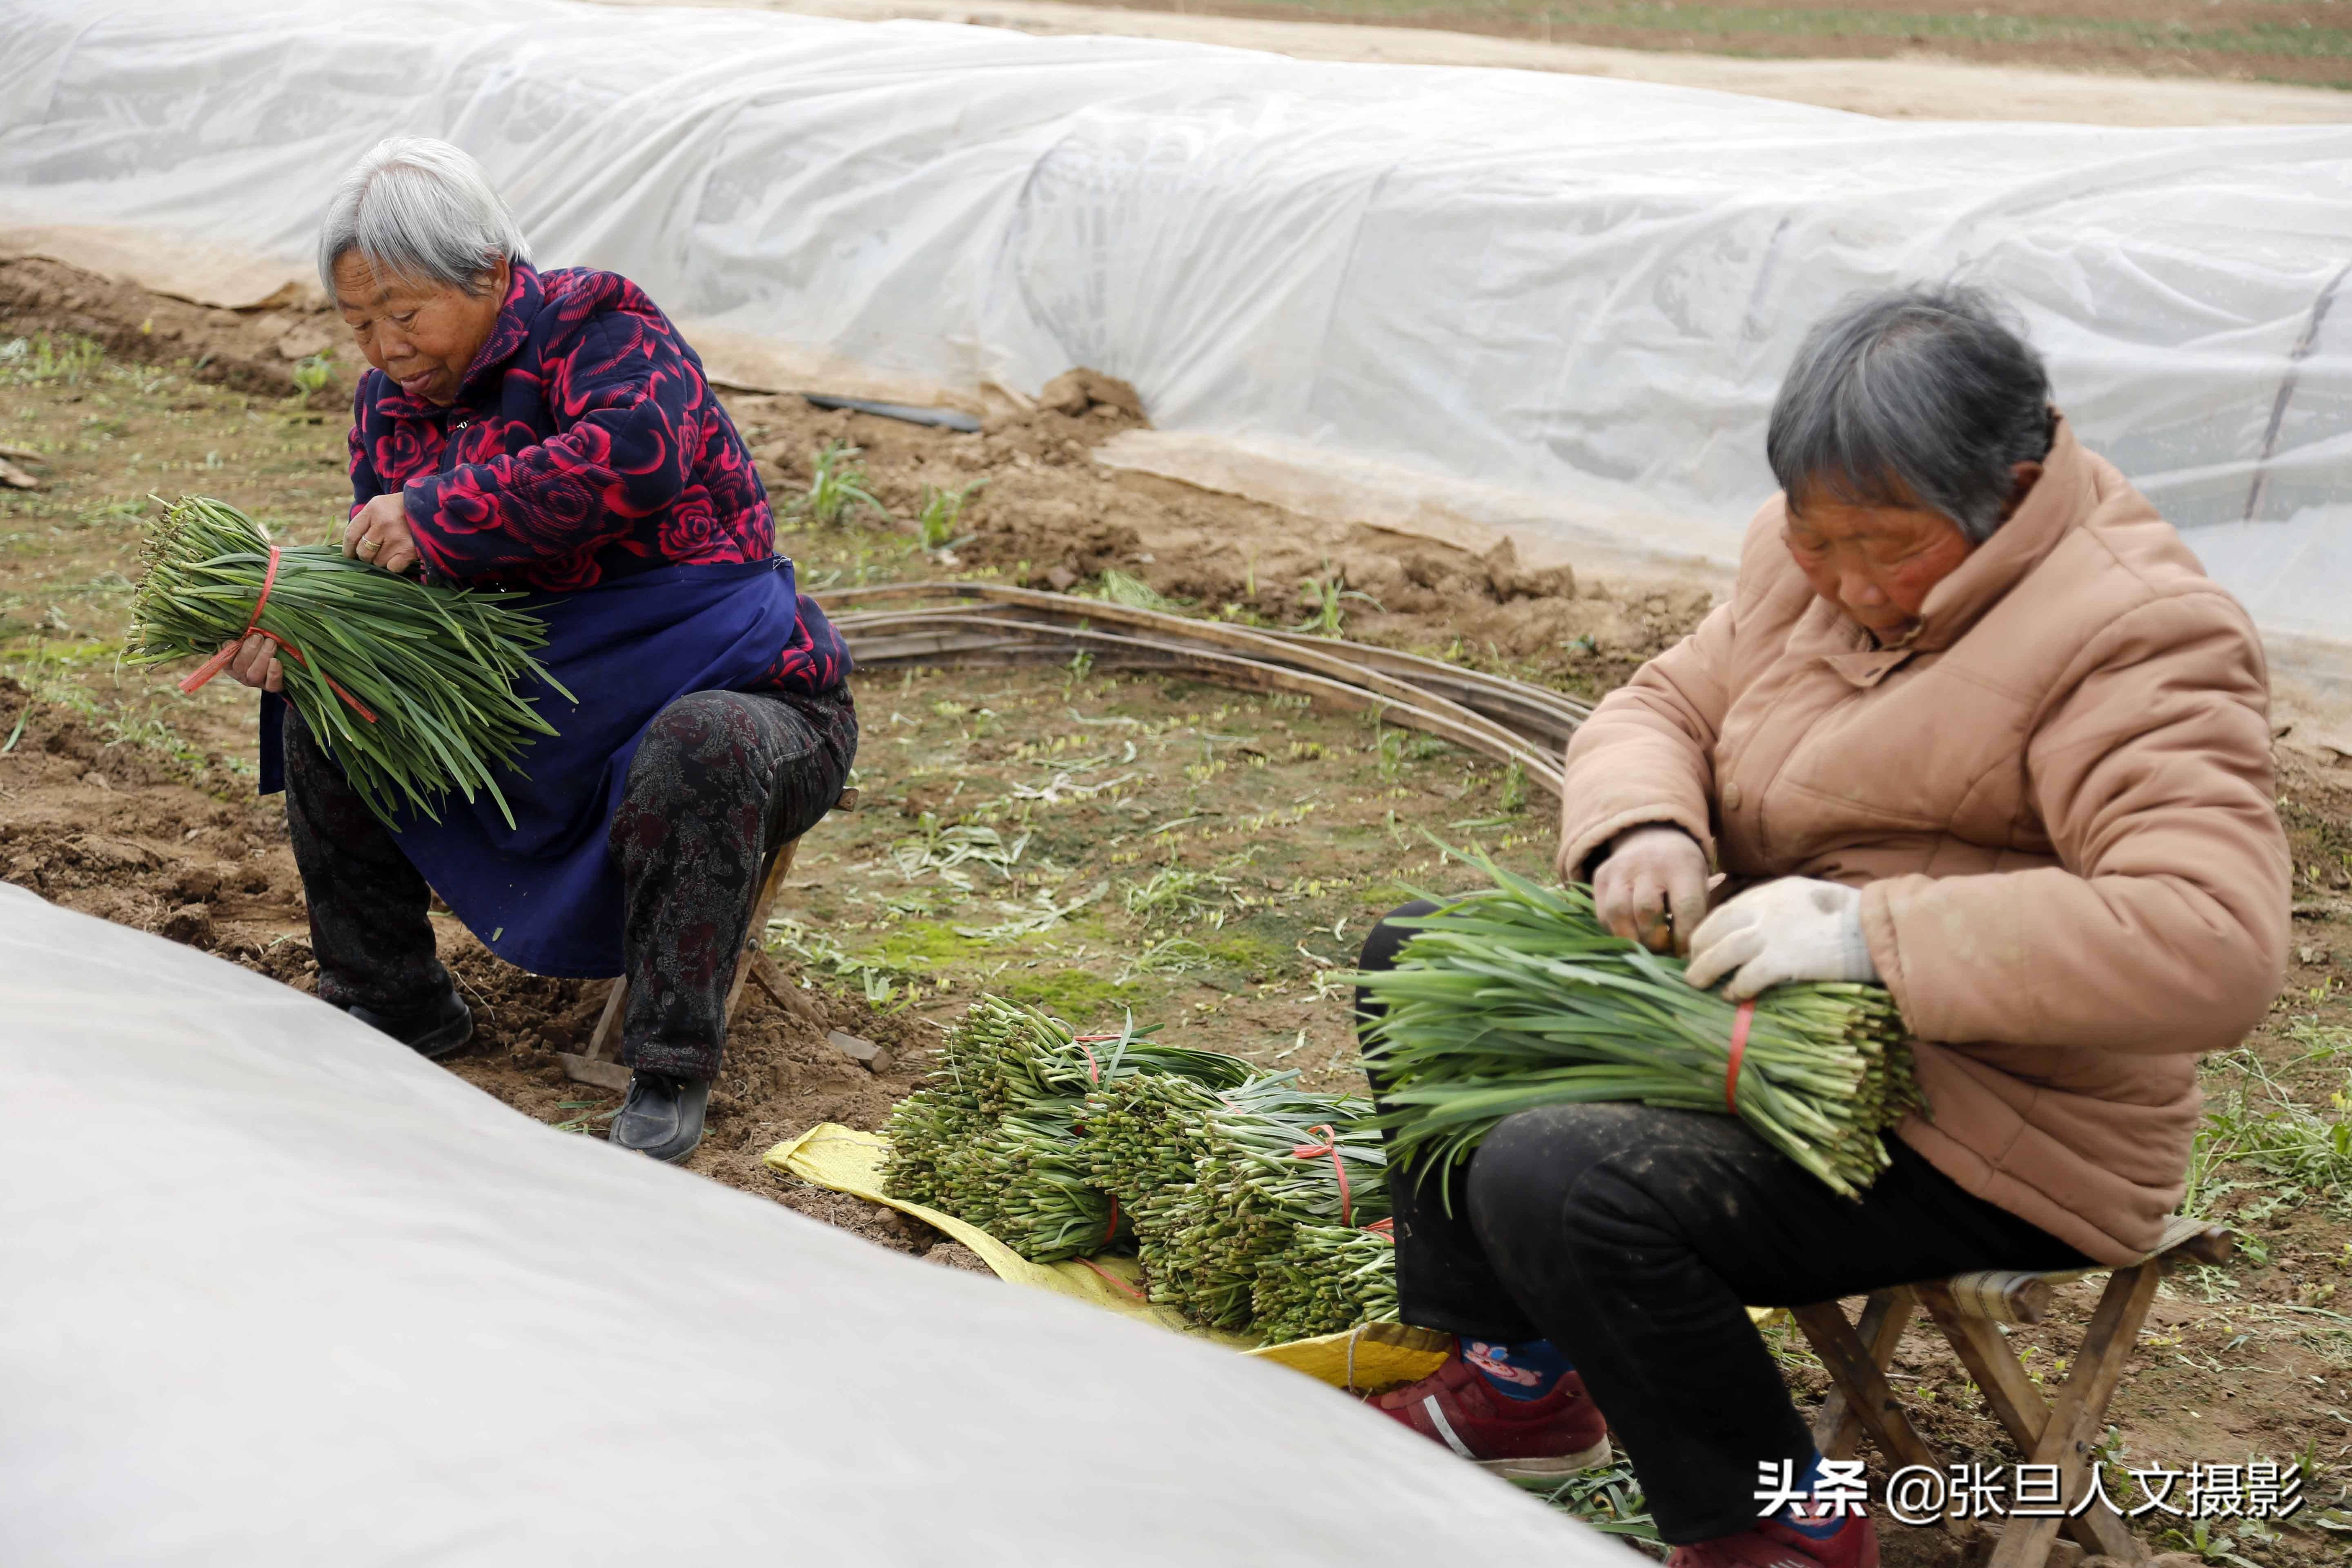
(1505, 719)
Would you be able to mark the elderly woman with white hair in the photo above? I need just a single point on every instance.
(1972, 724)
(550, 432)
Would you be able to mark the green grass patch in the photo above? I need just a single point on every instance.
(918, 945)
(1386, 896)
(1247, 954)
(1073, 994)
(1726, 25)
(1725, 21)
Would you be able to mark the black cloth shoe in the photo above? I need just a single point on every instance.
(431, 1032)
(662, 1117)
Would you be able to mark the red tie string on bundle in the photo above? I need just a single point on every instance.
(1741, 1022)
(1113, 1279)
(1331, 1145)
(1094, 1068)
(204, 672)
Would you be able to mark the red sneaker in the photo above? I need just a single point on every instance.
(1558, 1435)
(1768, 1544)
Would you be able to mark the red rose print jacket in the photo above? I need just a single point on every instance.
(584, 446)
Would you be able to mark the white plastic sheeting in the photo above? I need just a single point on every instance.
(1578, 291)
(275, 1291)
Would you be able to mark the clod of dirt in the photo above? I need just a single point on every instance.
(1509, 580)
(1075, 391)
(198, 884)
(190, 924)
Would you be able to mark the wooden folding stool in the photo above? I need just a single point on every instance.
(594, 1066)
(1969, 1309)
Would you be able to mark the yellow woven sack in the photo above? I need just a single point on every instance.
(1376, 1355)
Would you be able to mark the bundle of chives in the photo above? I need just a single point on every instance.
(1514, 996)
(967, 1061)
(1329, 1279)
(1144, 1132)
(411, 688)
(928, 1130)
(1024, 1178)
(1045, 1208)
(992, 1138)
(1278, 1157)
(968, 1181)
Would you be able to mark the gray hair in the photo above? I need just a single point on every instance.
(1920, 396)
(419, 209)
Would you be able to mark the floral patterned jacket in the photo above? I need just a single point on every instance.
(584, 446)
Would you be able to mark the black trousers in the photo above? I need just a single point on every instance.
(1634, 1238)
(720, 778)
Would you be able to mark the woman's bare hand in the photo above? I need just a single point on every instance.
(256, 663)
(378, 534)
(1652, 887)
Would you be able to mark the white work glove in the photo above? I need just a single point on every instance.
(1798, 928)
(1653, 873)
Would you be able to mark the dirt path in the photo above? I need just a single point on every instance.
(2020, 68)
(1200, 858)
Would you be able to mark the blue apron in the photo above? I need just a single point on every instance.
(544, 895)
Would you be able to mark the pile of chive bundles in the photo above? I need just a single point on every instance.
(1514, 996)
(1227, 1181)
(411, 688)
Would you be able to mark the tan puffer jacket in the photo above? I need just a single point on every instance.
(2058, 799)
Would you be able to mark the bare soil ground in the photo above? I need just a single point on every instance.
(1091, 843)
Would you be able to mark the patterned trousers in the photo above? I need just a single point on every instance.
(721, 779)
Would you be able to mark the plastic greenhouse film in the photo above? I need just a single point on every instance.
(1576, 292)
(279, 1291)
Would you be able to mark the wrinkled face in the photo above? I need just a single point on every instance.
(422, 335)
(1877, 564)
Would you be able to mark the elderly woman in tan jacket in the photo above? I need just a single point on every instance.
(1974, 725)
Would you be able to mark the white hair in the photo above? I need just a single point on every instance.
(1925, 396)
(421, 209)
